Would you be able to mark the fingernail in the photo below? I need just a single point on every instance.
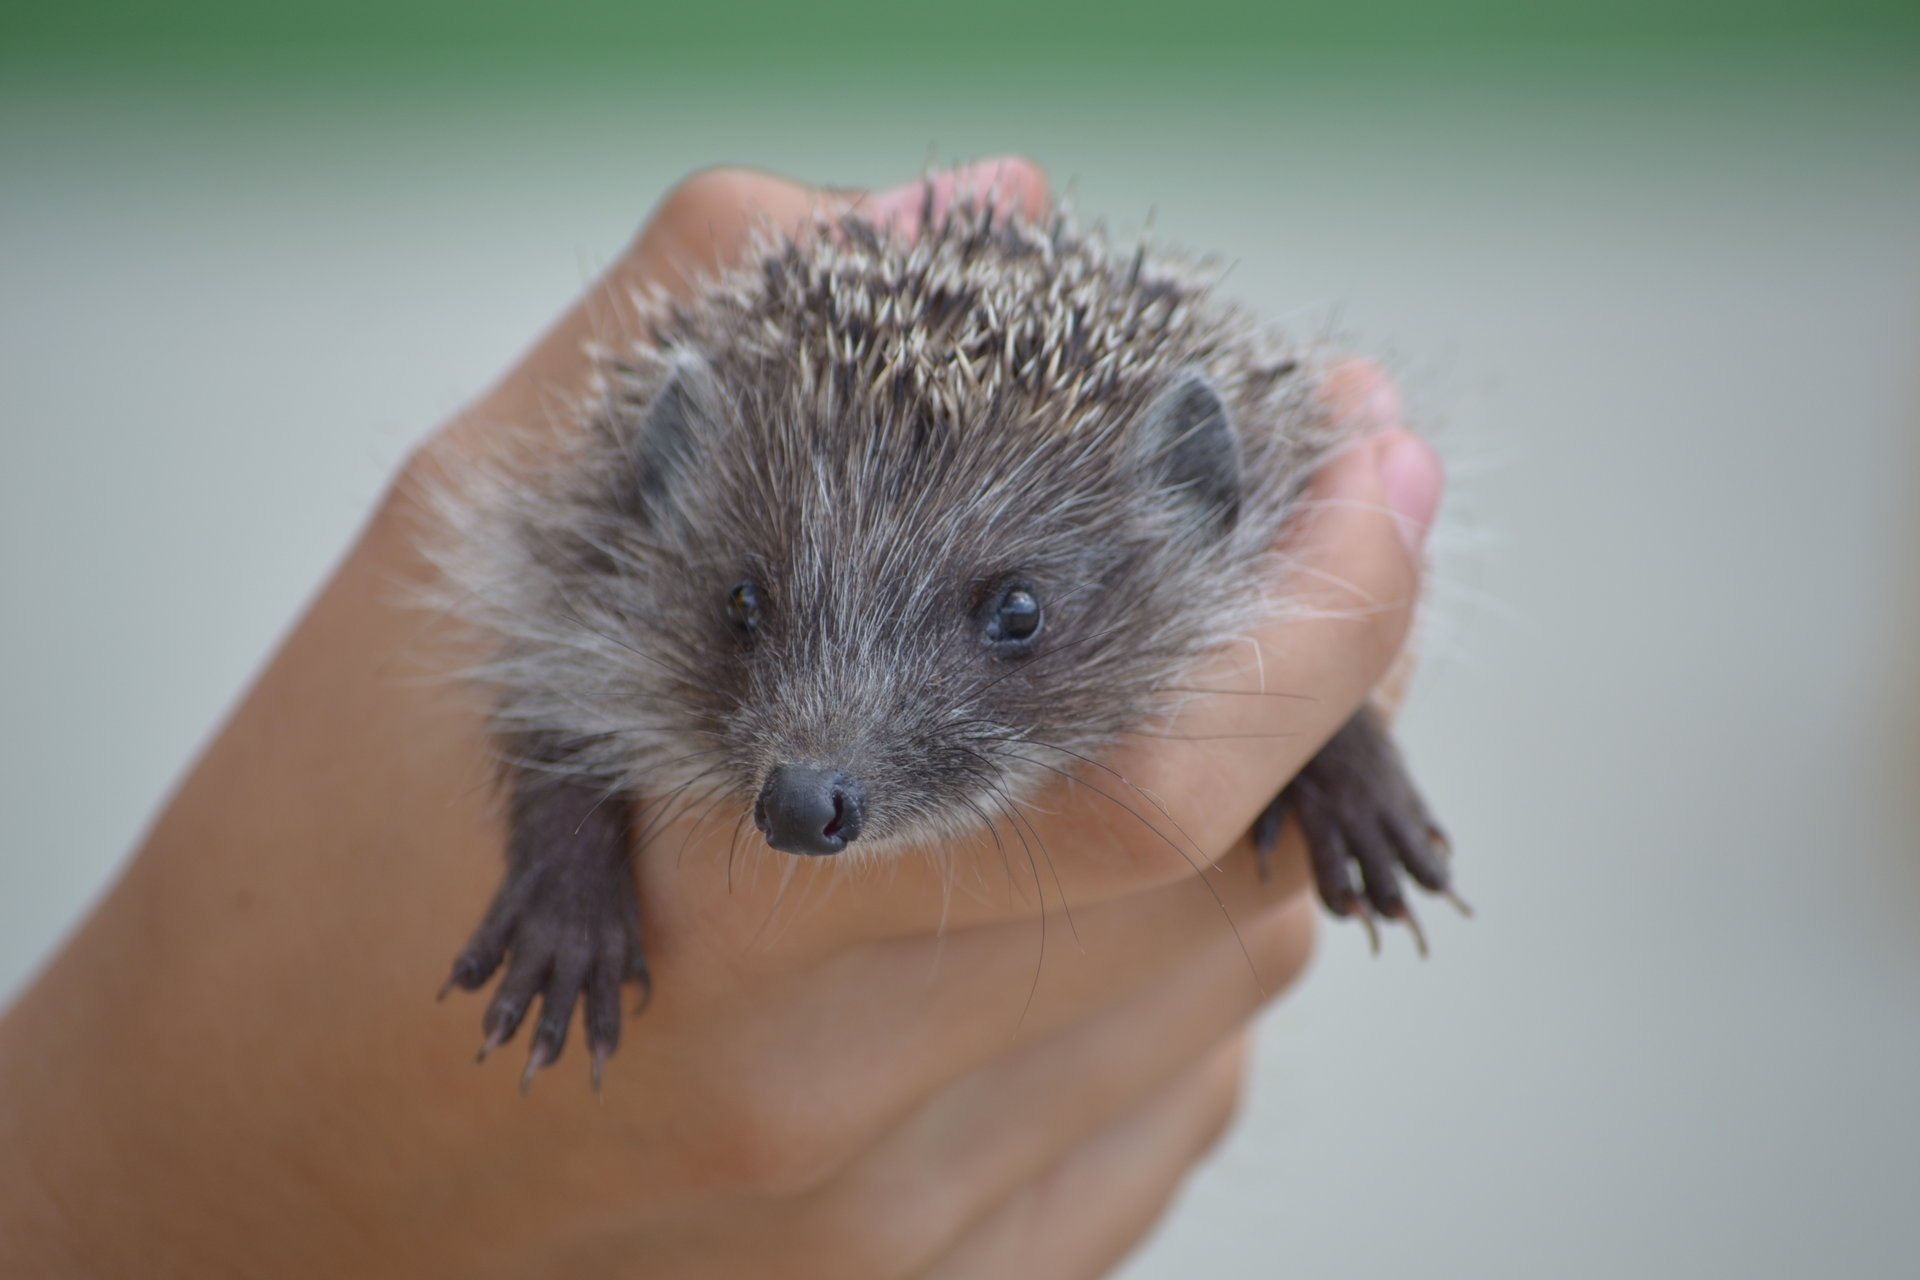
(902, 206)
(1411, 479)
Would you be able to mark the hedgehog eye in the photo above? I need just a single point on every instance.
(743, 608)
(1014, 621)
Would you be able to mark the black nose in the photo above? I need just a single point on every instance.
(810, 811)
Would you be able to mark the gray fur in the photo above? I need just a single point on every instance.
(880, 433)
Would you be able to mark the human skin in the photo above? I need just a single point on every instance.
(236, 1066)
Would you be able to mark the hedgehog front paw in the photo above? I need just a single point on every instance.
(566, 923)
(1358, 809)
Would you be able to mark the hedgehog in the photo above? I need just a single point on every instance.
(870, 538)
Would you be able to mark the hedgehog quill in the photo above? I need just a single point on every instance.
(873, 534)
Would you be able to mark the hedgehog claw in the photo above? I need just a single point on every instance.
(538, 1057)
(567, 925)
(1364, 914)
(1360, 813)
(1405, 915)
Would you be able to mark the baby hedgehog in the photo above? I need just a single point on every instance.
(874, 537)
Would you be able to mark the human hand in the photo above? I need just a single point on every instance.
(235, 1066)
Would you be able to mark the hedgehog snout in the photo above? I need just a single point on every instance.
(810, 811)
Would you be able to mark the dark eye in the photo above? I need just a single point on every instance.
(1014, 620)
(743, 608)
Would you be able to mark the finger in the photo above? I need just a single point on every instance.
(1412, 485)
(1088, 1211)
(912, 1016)
(1001, 1127)
(700, 227)
(947, 1005)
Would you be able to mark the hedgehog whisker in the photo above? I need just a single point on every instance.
(663, 813)
(678, 730)
(1236, 693)
(1210, 737)
(993, 830)
(714, 796)
(788, 868)
(733, 845)
(1017, 813)
(1127, 782)
(1040, 912)
(605, 795)
(1198, 873)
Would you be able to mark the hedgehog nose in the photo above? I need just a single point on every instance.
(810, 811)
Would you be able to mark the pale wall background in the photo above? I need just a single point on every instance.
(1660, 302)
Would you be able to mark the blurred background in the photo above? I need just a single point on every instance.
(1650, 272)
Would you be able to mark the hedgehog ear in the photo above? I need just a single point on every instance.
(684, 408)
(1188, 445)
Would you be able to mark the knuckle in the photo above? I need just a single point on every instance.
(1227, 1098)
(1282, 942)
(702, 193)
(1387, 624)
(772, 1147)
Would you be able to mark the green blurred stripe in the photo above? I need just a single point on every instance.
(590, 30)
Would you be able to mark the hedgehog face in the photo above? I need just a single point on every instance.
(867, 625)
